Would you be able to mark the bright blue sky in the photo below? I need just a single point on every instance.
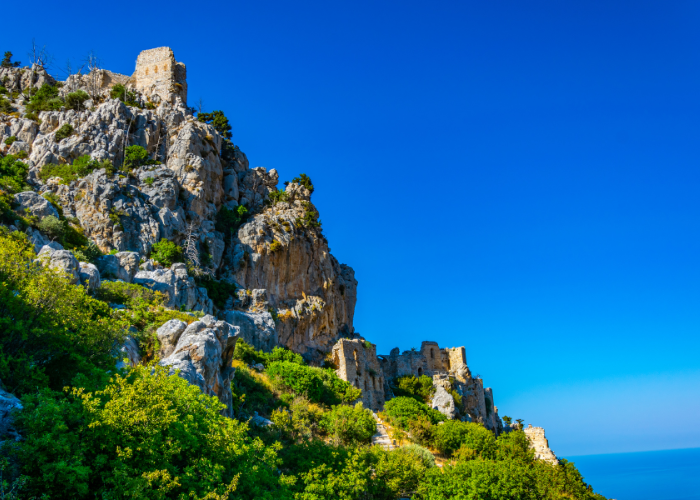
(517, 177)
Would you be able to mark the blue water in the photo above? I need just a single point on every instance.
(648, 475)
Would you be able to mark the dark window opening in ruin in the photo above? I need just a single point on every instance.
(420, 371)
(366, 386)
(432, 354)
(448, 364)
(374, 384)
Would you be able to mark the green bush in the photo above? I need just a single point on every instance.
(7, 61)
(317, 384)
(52, 330)
(13, 175)
(126, 96)
(422, 452)
(6, 106)
(81, 167)
(419, 388)
(75, 100)
(303, 180)
(10, 140)
(246, 353)
(218, 291)
(218, 121)
(167, 253)
(147, 435)
(135, 157)
(229, 220)
(63, 132)
(310, 218)
(52, 227)
(452, 434)
(278, 196)
(514, 445)
(349, 425)
(403, 409)
(45, 99)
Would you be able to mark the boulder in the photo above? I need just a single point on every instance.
(89, 275)
(130, 352)
(180, 288)
(35, 204)
(444, 402)
(203, 356)
(168, 335)
(62, 260)
(256, 328)
(123, 266)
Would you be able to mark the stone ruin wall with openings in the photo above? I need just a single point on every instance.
(157, 72)
(357, 364)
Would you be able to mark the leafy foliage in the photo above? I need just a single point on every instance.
(135, 157)
(452, 434)
(64, 132)
(349, 425)
(7, 61)
(75, 100)
(125, 95)
(229, 220)
(419, 388)
(402, 409)
(13, 175)
(167, 253)
(145, 435)
(303, 180)
(45, 99)
(317, 384)
(82, 166)
(52, 330)
(218, 291)
(218, 121)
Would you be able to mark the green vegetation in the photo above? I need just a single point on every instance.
(7, 61)
(218, 121)
(64, 132)
(278, 196)
(75, 100)
(126, 96)
(135, 157)
(6, 106)
(303, 180)
(419, 388)
(349, 425)
(310, 218)
(247, 354)
(403, 409)
(218, 291)
(13, 175)
(317, 384)
(167, 253)
(44, 99)
(229, 220)
(10, 140)
(81, 167)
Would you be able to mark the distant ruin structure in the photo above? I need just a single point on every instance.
(539, 443)
(358, 364)
(158, 73)
(430, 360)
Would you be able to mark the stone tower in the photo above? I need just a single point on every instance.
(158, 73)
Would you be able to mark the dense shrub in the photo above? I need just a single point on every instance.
(452, 434)
(228, 220)
(6, 106)
(147, 435)
(310, 218)
(13, 175)
(246, 353)
(10, 140)
(53, 227)
(126, 96)
(419, 388)
(317, 384)
(45, 99)
(218, 291)
(303, 180)
(7, 61)
(278, 196)
(167, 253)
(514, 445)
(135, 157)
(63, 132)
(82, 166)
(349, 425)
(75, 100)
(52, 330)
(403, 409)
(218, 121)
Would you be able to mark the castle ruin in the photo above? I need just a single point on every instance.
(357, 364)
(158, 73)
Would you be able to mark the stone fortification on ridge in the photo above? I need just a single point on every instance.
(157, 72)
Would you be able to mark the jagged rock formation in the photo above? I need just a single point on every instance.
(540, 444)
(181, 289)
(8, 404)
(202, 353)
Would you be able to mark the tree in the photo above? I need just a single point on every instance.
(94, 65)
(218, 121)
(347, 425)
(39, 56)
(7, 61)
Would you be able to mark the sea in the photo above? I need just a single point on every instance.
(646, 475)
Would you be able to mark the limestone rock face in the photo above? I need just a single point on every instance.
(255, 328)
(19, 79)
(128, 353)
(35, 204)
(89, 275)
(444, 402)
(61, 260)
(540, 444)
(203, 354)
(314, 294)
(168, 335)
(180, 288)
(122, 265)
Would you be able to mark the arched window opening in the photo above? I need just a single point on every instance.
(420, 371)
(432, 354)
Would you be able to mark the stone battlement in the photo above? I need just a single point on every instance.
(157, 72)
(430, 360)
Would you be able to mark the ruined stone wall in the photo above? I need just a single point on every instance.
(358, 364)
(430, 360)
(158, 73)
(539, 443)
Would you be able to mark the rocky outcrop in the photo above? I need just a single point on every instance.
(539, 443)
(255, 328)
(89, 276)
(280, 251)
(20, 79)
(444, 402)
(34, 204)
(128, 353)
(202, 355)
(60, 260)
(122, 265)
(181, 289)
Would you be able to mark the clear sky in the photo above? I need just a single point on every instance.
(517, 177)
